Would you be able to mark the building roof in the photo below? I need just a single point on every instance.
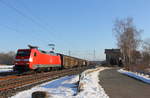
(112, 51)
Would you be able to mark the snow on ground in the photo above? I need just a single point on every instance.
(67, 87)
(142, 77)
(89, 85)
(6, 68)
(64, 87)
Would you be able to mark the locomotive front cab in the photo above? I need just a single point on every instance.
(23, 60)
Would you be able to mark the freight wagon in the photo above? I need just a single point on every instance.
(69, 62)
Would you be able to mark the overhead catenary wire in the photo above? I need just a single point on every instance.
(45, 24)
(84, 54)
(21, 13)
(31, 17)
(15, 30)
(33, 20)
(10, 28)
(24, 15)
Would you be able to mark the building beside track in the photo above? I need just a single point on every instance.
(113, 56)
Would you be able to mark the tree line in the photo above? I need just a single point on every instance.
(7, 58)
(134, 50)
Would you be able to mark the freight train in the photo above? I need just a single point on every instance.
(36, 60)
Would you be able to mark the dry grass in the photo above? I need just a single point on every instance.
(138, 68)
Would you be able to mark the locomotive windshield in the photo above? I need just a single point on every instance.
(23, 53)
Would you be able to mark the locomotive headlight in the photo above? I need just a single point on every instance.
(30, 59)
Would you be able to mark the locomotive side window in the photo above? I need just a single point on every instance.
(34, 53)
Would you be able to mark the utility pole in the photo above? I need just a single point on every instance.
(94, 56)
(69, 53)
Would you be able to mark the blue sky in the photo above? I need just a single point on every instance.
(76, 25)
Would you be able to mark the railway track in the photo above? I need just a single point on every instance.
(4, 74)
(12, 84)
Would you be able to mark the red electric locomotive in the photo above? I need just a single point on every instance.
(33, 59)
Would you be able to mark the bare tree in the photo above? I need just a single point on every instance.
(7, 58)
(146, 52)
(128, 39)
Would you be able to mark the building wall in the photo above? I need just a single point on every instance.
(113, 56)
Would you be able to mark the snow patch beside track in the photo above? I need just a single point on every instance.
(68, 87)
(6, 68)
